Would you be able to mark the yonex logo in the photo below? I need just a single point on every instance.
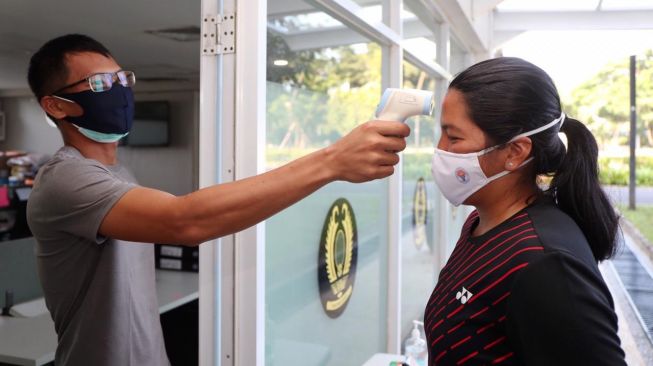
(464, 295)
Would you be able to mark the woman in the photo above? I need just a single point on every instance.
(522, 286)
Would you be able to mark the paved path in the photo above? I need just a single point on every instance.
(634, 316)
(619, 194)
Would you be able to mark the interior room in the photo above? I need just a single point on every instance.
(161, 150)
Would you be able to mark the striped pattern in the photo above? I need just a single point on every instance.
(466, 314)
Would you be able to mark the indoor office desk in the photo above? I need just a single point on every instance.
(32, 341)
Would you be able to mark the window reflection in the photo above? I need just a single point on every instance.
(315, 96)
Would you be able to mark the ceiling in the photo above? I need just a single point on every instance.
(125, 27)
(574, 5)
(120, 25)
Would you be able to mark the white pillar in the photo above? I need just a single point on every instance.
(249, 245)
(444, 59)
(392, 78)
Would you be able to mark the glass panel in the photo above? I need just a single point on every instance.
(547, 5)
(372, 9)
(295, 23)
(626, 5)
(298, 10)
(419, 37)
(419, 209)
(458, 57)
(322, 80)
(421, 47)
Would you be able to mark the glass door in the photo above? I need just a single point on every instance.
(326, 257)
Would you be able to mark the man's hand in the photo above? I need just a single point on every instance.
(368, 152)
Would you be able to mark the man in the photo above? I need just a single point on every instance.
(91, 219)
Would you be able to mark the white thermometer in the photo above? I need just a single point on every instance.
(400, 104)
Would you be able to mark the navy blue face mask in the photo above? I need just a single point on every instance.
(110, 112)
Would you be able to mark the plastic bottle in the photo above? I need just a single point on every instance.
(415, 347)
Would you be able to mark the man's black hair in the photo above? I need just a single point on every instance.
(47, 68)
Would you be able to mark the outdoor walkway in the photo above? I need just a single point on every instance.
(630, 279)
(619, 194)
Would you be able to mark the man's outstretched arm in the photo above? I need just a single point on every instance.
(152, 216)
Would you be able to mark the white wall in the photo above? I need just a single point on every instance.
(172, 168)
(26, 128)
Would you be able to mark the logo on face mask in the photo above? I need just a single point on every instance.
(462, 175)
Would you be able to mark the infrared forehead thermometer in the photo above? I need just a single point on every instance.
(400, 104)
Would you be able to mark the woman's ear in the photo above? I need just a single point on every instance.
(518, 151)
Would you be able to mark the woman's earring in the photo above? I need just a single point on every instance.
(510, 164)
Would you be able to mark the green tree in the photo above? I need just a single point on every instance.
(603, 102)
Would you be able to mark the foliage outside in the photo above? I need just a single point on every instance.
(615, 170)
(322, 94)
(603, 103)
(641, 218)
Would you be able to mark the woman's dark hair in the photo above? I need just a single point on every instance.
(47, 67)
(507, 96)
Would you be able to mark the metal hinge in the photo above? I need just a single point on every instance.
(218, 34)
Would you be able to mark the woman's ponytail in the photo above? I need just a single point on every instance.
(576, 189)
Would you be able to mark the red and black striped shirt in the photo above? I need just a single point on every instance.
(527, 292)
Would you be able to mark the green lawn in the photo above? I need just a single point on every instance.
(642, 218)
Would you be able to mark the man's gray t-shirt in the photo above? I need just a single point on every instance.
(100, 291)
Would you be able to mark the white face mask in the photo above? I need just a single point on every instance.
(460, 175)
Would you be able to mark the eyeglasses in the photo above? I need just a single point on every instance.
(104, 81)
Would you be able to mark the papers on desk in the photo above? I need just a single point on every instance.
(29, 309)
(23, 193)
